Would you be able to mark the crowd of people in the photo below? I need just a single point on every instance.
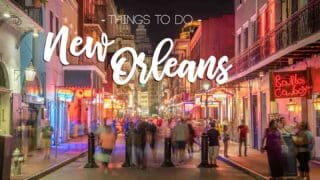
(277, 149)
(143, 133)
(185, 137)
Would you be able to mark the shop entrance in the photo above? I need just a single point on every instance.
(263, 110)
(31, 129)
(254, 118)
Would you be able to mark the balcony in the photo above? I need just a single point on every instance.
(23, 16)
(28, 7)
(296, 38)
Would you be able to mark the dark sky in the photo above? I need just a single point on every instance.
(199, 9)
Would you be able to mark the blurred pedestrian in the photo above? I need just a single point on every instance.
(225, 139)
(151, 137)
(304, 143)
(107, 143)
(180, 136)
(214, 137)
(47, 132)
(243, 131)
(130, 141)
(140, 143)
(192, 135)
(274, 142)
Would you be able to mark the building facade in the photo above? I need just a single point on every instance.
(275, 41)
(22, 73)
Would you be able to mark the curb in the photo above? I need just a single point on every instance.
(248, 171)
(55, 167)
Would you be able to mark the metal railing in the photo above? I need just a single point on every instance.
(300, 25)
(28, 7)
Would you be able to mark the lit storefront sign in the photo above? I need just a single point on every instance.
(212, 101)
(188, 107)
(66, 95)
(291, 84)
(33, 99)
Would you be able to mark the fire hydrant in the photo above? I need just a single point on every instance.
(18, 160)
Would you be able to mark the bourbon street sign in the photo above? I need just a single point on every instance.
(291, 84)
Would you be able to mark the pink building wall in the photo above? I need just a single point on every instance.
(54, 72)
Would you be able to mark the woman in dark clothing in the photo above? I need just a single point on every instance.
(191, 137)
(273, 146)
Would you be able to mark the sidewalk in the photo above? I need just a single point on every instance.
(35, 166)
(256, 164)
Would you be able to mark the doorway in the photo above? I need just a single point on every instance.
(254, 121)
(263, 110)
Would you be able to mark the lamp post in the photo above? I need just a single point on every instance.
(206, 87)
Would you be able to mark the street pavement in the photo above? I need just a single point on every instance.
(76, 171)
(185, 171)
(35, 165)
(257, 162)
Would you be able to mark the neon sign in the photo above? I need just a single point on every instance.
(291, 84)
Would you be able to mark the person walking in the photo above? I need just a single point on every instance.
(213, 137)
(130, 143)
(107, 143)
(180, 136)
(273, 145)
(225, 139)
(47, 131)
(304, 143)
(151, 136)
(140, 143)
(192, 135)
(243, 131)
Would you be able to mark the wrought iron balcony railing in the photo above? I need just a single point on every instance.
(31, 10)
(299, 26)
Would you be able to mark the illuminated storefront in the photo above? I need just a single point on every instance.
(83, 94)
(214, 107)
(82, 108)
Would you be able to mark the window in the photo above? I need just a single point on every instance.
(245, 38)
(57, 30)
(238, 43)
(318, 123)
(51, 21)
(254, 31)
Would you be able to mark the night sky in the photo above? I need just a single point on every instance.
(199, 9)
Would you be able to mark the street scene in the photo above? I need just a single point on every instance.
(159, 89)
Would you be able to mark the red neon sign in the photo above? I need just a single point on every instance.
(291, 84)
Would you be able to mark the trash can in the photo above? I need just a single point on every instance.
(5, 156)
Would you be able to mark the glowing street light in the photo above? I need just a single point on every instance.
(30, 73)
(6, 15)
(316, 103)
(291, 106)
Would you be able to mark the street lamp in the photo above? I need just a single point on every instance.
(30, 73)
(316, 103)
(206, 87)
(291, 106)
